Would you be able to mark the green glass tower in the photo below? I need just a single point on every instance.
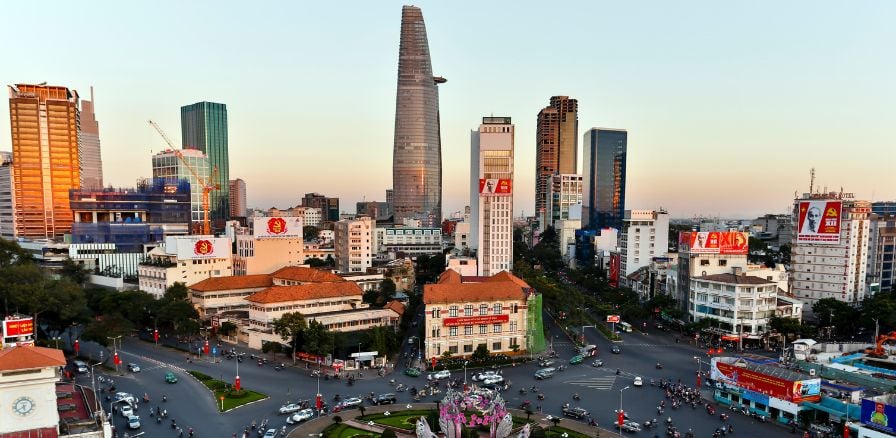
(203, 127)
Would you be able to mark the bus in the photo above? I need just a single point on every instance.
(624, 326)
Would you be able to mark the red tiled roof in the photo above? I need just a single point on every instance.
(311, 291)
(306, 275)
(27, 358)
(472, 292)
(507, 276)
(233, 282)
(395, 306)
(449, 276)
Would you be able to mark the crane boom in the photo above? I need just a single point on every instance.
(206, 184)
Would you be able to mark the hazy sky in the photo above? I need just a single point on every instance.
(727, 104)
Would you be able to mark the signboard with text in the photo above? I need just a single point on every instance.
(18, 327)
(201, 247)
(476, 320)
(277, 227)
(714, 242)
(771, 386)
(613, 319)
(495, 187)
(819, 222)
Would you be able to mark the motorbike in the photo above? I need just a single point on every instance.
(400, 387)
(659, 366)
(541, 396)
(576, 397)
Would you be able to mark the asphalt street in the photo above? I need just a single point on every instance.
(191, 405)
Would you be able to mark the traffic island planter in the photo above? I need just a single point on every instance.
(231, 399)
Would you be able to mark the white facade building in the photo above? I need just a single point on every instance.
(263, 251)
(564, 191)
(644, 235)
(409, 241)
(835, 268)
(353, 244)
(462, 235)
(187, 260)
(491, 198)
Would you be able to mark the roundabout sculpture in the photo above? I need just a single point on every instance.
(489, 411)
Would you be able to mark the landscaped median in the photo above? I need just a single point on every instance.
(231, 398)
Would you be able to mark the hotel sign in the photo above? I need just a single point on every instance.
(476, 320)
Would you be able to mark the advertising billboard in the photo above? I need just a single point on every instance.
(876, 414)
(714, 242)
(18, 327)
(277, 227)
(495, 187)
(819, 222)
(615, 261)
(202, 247)
(476, 320)
(771, 386)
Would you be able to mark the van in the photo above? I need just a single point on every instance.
(80, 366)
(587, 349)
(545, 373)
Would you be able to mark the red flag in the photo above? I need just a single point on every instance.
(318, 402)
(433, 363)
(76, 347)
(236, 383)
(155, 335)
(116, 360)
(205, 348)
(620, 418)
(698, 380)
(846, 433)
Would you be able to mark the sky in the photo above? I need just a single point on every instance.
(727, 104)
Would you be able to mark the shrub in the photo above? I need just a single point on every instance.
(337, 419)
(201, 376)
(237, 394)
(388, 433)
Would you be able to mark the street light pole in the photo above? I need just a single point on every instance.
(621, 412)
(96, 398)
(465, 374)
(115, 349)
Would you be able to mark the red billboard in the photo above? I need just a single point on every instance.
(613, 318)
(615, 261)
(714, 242)
(495, 187)
(793, 391)
(18, 327)
(819, 222)
(476, 320)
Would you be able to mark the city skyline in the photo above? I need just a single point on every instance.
(714, 98)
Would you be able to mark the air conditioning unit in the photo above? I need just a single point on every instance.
(812, 372)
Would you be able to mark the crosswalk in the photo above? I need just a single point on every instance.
(603, 383)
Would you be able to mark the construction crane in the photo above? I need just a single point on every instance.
(878, 349)
(207, 184)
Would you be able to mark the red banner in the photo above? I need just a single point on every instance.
(819, 221)
(301, 355)
(620, 418)
(475, 320)
(18, 327)
(236, 383)
(491, 187)
(76, 347)
(714, 242)
(615, 261)
(792, 391)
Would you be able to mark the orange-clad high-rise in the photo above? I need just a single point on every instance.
(44, 125)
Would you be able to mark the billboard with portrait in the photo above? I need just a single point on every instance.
(793, 391)
(714, 242)
(201, 247)
(277, 227)
(876, 413)
(615, 261)
(819, 221)
(495, 187)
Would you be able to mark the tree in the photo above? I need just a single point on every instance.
(387, 289)
(785, 326)
(13, 254)
(382, 339)
(481, 353)
(832, 312)
(227, 328)
(175, 309)
(555, 420)
(388, 433)
(310, 232)
(290, 326)
(75, 272)
(317, 339)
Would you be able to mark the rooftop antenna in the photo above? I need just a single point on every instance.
(811, 180)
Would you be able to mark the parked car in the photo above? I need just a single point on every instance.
(170, 377)
(413, 372)
(385, 399)
(597, 363)
(290, 408)
(300, 416)
(577, 413)
(615, 349)
(638, 382)
(134, 422)
(134, 368)
(351, 403)
(126, 411)
(439, 375)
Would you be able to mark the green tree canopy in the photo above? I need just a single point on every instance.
(290, 326)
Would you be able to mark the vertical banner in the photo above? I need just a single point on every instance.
(615, 261)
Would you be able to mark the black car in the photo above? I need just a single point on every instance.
(615, 349)
(577, 413)
(385, 399)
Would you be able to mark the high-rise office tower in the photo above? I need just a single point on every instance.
(417, 152)
(7, 198)
(44, 125)
(237, 198)
(491, 197)
(603, 203)
(329, 207)
(91, 159)
(172, 171)
(204, 127)
(556, 148)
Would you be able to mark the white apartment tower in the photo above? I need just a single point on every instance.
(491, 195)
(644, 235)
(564, 191)
(829, 249)
(353, 244)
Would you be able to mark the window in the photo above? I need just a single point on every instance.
(723, 262)
(513, 326)
(468, 348)
(452, 331)
(483, 329)
(483, 309)
(435, 332)
(468, 330)
(452, 311)
(496, 328)
(513, 308)
(497, 309)
(496, 346)
(453, 349)
(436, 312)
(468, 310)
(704, 262)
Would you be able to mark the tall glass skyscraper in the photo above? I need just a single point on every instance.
(203, 127)
(89, 147)
(417, 152)
(603, 200)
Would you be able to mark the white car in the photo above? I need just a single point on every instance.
(493, 380)
(439, 375)
(300, 416)
(134, 368)
(129, 398)
(351, 403)
(126, 411)
(484, 375)
(134, 422)
(271, 433)
(290, 408)
(638, 382)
